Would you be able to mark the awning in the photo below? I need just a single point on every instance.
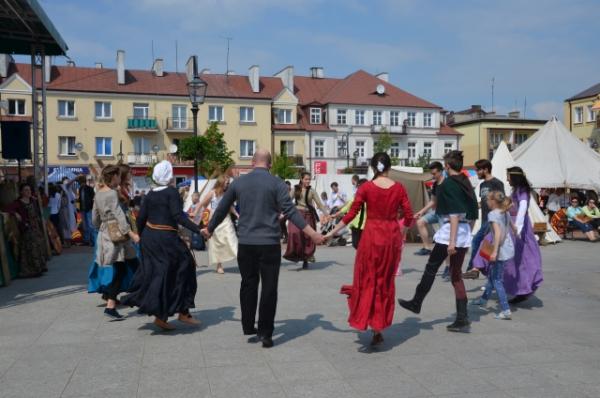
(24, 23)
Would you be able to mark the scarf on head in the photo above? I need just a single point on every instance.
(162, 175)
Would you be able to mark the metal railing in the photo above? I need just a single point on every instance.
(180, 124)
(141, 158)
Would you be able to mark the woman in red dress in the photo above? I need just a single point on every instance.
(371, 297)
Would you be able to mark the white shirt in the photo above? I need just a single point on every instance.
(54, 203)
(553, 202)
(337, 200)
(463, 234)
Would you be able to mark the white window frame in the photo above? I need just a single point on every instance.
(213, 113)
(104, 140)
(106, 110)
(179, 118)
(315, 116)
(578, 110)
(428, 149)
(411, 118)
(247, 114)
(359, 117)
(289, 147)
(65, 107)
(412, 150)
(247, 148)
(591, 115)
(67, 142)
(19, 104)
(144, 107)
(279, 112)
(342, 117)
(379, 116)
(394, 118)
(427, 119)
(395, 150)
(319, 148)
(448, 147)
(360, 147)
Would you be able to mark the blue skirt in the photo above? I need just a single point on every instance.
(100, 277)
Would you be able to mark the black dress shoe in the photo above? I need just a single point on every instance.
(250, 332)
(267, 341)
(112, 313)
(410, 305)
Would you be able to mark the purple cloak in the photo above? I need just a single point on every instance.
(523, 273)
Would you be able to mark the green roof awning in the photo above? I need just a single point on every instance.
(24, 23)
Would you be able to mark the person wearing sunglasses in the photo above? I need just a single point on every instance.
(578, 219)
(592, 211)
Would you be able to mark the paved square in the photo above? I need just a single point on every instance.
(55, 342)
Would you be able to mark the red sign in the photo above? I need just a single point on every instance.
(320, 167)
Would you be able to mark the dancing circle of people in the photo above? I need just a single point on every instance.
(146, 257)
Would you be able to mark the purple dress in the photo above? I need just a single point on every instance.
(523, 273)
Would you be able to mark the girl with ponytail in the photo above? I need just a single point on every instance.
(502, 249)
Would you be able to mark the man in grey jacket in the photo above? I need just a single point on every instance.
(261, 197)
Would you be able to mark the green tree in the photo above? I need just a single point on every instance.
(422, 161)
(283, 167)
(211, 149)
(385, 141)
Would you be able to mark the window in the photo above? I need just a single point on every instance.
(412, 117)
(359, 117)
(16, 107)
(246, 114)
(447, 147)
(341, 116)
(395, 150)
(341, 148)
(141, 145)
(66, 146)
(427, 119)
(315, 115)
(591, 114)
(140, 111)
(427, 149)
(377, 118)
(247, 148)
(103, 146)
(283, 116)
(412, 150)
(103, 110)
(394, 118)
(66, 108)
(179, 113)
(579, 114)
(286, 148)
(520, 138)
(360, 149)
(496, 139)
(319, 148)
(215, 113)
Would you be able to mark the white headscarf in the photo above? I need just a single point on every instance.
(162, 174)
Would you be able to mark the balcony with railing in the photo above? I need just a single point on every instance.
(392, 129)
(146, 159)
(180, 125)
(142, 124)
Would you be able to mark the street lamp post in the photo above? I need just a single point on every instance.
(197, 91)
(348, 132)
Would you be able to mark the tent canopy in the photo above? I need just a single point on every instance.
(555, 158)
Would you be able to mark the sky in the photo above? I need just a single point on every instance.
(447, 52)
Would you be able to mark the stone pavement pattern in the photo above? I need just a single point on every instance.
(55, 342)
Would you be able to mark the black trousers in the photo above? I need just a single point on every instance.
(259, 263)
(113, 290)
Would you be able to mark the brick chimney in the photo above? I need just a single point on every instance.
(287, 77)
(98, 65)
(191, 67)
(47, 69)
(121, 67)
(157, 67)
(254, 78)
(317, 72)
(5, 61)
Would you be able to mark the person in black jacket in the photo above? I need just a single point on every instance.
(86, 203)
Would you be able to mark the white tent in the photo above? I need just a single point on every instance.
(555, 158)
(501, 161)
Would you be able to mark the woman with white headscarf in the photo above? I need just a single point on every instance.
(165, 283)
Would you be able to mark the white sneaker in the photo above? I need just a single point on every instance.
(505, 315)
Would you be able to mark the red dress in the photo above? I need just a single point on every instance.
(371, 297)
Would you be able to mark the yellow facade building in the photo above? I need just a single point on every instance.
(582, 115)
(483, 131)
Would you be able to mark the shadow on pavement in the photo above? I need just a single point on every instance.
(290, 329)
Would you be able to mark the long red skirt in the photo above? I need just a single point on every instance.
(371, 297)
(300, 247)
